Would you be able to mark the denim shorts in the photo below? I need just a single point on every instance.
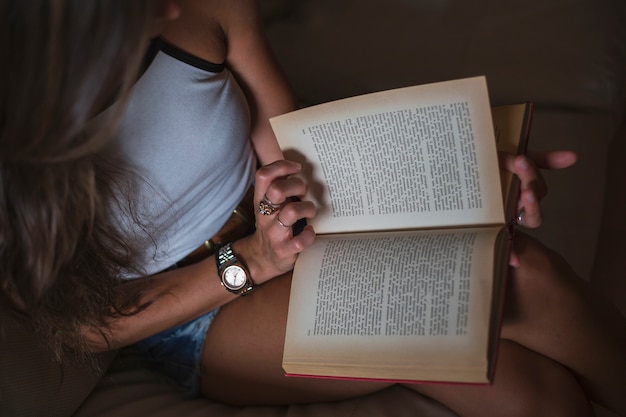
(176, 352)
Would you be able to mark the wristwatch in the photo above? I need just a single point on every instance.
(232, 272)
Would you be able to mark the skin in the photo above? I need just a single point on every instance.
(540, 371)
(532, 184)
(546, 365)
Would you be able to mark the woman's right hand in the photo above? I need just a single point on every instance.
(272, 249)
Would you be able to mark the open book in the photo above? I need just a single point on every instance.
(406, 277)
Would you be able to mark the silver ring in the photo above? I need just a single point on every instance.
(280, 222)
(266, 207)
(520, 217)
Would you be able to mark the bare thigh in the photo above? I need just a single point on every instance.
(243, 354)
(525, 384)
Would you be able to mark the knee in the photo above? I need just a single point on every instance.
(551, 390)
(542, 273)
(528, 384)
(536, 258)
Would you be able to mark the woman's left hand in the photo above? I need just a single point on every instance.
(533, 186)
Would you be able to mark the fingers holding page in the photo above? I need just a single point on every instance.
(532, 184)
(273, 248)
(276, 183)
(533, 189)
(274, 172)
(554, 159)
(288, 216)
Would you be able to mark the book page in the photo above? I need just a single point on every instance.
(408, 299)
(512, 128)
(420, 156)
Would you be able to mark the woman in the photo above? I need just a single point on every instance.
(101, 209)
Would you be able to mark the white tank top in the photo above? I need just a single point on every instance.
(186, 136)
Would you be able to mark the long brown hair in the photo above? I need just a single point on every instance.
(62, 62)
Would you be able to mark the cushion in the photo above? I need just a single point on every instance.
(129, 390)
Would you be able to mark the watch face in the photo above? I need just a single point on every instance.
(234, 277)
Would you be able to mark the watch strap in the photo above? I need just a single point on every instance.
(225, 256)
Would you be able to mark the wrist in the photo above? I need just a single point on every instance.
(233, 272)
(245, 248)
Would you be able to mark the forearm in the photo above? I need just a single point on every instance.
(178, 296)
(172, 298)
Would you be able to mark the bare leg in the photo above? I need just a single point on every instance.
(525, 384)
(244, 348)
(553, 312)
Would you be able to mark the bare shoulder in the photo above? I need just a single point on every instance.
(205, 27)
(237, 16)
(232, 10)
(245, 33)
